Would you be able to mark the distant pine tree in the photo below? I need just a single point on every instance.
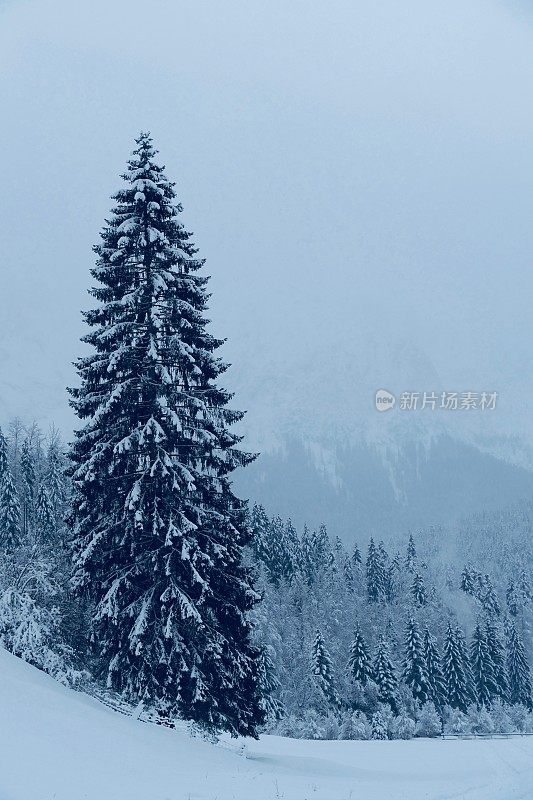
(28, 484)
(468, 581)
(436, 683)
(348, 574)
(259, 523)
(320, 549)
(357, 561)
(323, 672)
(374, 574)
(457, 671)
(418, 590)
(359, 660)
(268, 685)
(415, 671)
(511, 596)
(158, 535)
(10, 531)
(497, 656)
(291, 556)
(384, 673)
(518, 669)
(489, 599)
(44, 513)
(411, 558)
(482, 667)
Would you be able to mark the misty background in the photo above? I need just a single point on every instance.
(359, 177)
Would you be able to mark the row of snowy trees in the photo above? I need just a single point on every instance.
(347, 634)
(39, 618)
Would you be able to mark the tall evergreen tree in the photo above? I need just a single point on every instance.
(28, 483)
(482, 667)
(10, 532)
(4, 465)
(374, 574)
(468, 580)
(347, 571)
(320, 549)
(384, 673)
(457, 672)
(410, 558)
(356, 558)
(44, 513)
(497, 656)
(518, 669)
(489, 599)
(323, 672)
(437, 687)
(359, 660)
(268, 685)
(418, 590)
(415, 670)
(157, 532)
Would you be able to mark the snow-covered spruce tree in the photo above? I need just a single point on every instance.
(518, 669)
(357, 561)
(323, 672)
(418, 590)
(482, 667)
(359, 661)
(497, 656)
(269, 684)
(44, 514)
(410, 558)
(55, 480)
(10, 532)
(374, 574)
(457, 672)
(437, 687)
(157, 532)
(415, 671)
(28, 481)
(384, 673)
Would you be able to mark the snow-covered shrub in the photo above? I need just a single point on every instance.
(500, 717)
(456, 721)
(310, 726)
(31, 632)
(480, 720)
(379, 727)
(519, 717)
(355, 725)
(402, 727)
(331, 726)
(428, 723)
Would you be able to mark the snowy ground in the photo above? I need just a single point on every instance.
(59, 745)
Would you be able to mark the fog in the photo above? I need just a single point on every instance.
(353, 172)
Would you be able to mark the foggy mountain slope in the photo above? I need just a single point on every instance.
(328, 456)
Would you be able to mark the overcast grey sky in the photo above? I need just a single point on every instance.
(351, 170)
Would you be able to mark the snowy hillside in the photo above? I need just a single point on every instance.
(81, 750)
